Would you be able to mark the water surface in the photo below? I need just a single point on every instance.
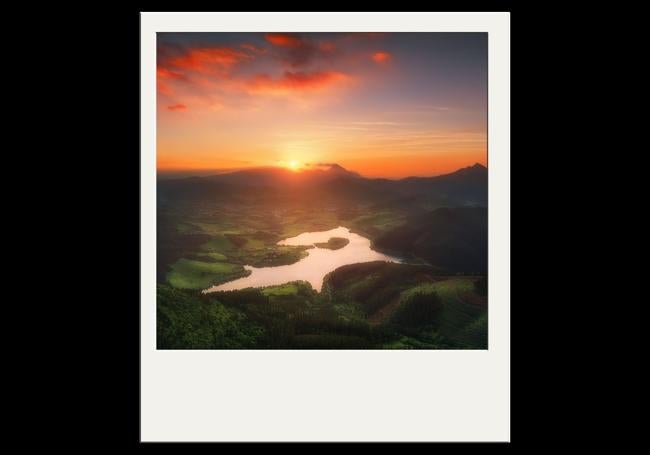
(314, 267)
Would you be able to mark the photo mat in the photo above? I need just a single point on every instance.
(221, 395)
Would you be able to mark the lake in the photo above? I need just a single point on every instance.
(314, 267)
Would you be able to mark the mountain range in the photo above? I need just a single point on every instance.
(464, 187)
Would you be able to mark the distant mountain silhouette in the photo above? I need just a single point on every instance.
(272, 176)
(464, 187)
(335, 169)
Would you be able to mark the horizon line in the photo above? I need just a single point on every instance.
(208, 172)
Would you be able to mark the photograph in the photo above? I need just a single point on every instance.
(321, 190)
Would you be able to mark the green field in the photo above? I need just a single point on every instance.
(218, 243)
(371, 225)
(190, 274)
(213, 256)
(281, 290)
(223, 252)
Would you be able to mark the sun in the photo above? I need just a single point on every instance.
(293, 165)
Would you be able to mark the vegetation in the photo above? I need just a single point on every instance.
(418, 309)
(334, 243)
(186, 320)
(191, 274)
(374, 224)
(210, 228)
(373, 285)
(481, 286)
(453, 238)
(423, 311)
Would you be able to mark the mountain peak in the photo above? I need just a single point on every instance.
(333, 167)
(476, 168)
(337, 169)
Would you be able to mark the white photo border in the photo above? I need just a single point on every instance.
(331, 395)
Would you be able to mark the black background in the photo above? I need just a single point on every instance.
(101, 66)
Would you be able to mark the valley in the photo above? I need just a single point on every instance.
(216, 230)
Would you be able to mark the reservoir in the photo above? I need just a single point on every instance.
(314, 267)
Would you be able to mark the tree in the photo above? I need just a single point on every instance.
(418, 310)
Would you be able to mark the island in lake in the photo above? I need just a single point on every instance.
(334, 243)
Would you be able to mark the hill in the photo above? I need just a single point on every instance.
(452, 238)
(465, 187)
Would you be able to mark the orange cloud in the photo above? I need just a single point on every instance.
(177, 107)
(164, 73)
(205, 77)
(164, 88)
(296, 81)
(216, 60)
(381, 57)
(284, 39)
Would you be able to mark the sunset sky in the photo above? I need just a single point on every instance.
(384, 105)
